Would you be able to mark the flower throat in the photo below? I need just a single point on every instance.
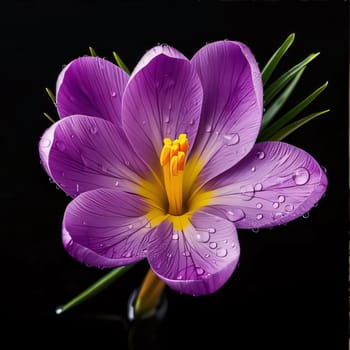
(173, 159)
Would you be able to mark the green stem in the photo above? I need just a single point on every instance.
(94, 289)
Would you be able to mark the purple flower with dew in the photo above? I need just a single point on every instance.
(163, 164)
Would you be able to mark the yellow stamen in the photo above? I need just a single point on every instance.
(173, 159)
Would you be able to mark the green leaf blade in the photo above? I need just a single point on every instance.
(292, 113)
(92, 52)
(275, 58)
(272, 90)
(287, 130)
(120, 63)
(281, 100)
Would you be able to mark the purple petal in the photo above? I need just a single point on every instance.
(162, 99)
(274, 184)
(91, 86)
(197, 259)
(106, 228)
(82, 153)
(232, 106)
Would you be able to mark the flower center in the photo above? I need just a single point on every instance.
(172, 159)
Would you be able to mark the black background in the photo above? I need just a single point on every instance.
(290, 289)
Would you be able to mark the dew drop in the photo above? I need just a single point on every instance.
(260, 155)
(46, 143)
(277, 215)
(116, 183)
(144, 122)
(93, 129)
(259, 205)
(213, 245)
(221, 252)
(60, 145)
(148, 225)
(199, 271)
(233, 244)
(258, 187)
(211, 230)
(191, 121)
(301, 176)
(306, 215)
(247, 191)
(253, 169)
(114, 94)
(203, 236)
(126, 255)
(175, 236)
(259, 216)
(275, 205)
(231, 139)
(101, 245)
(130, 226)
(208, 128)
(77, 188)
(281, 198)
(167, 119)
(235, 214)
(289, 207)
(186, 253)
(207, 255)
(169, 255)
(179, 277)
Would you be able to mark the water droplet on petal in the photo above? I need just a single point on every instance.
(247, 191)
(259, 216)
(60, 145)
(191, 121)
(275, 205)
(179, 277)
(253, 169)
(260, 155)
(259, 205)
(175, 236)
(277, 215)
(116, 183)
(289, 207)
(221, 252)
(306, 215)
(258, 187)
(167, 119)
(46, 143)
(148, 225)
(203, 236)
(233, 244)
(77, 188)
(199, 271)
(231, 139)
(114, 94)
(186, 253)
(213, 245)
(207, 255)
(235, 214)
(281, 198)
(301, 176)
(130, 226)
(93, 129)
(127, 163)
(208, 128)
(211, 230)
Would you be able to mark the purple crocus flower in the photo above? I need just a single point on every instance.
(163, 164)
